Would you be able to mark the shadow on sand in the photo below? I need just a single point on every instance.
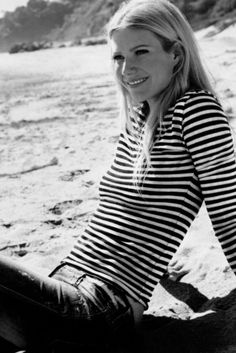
(212, 329)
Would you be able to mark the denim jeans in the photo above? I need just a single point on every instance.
(67, 308)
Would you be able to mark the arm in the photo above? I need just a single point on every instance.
(208, 138)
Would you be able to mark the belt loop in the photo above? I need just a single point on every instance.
(80, 279)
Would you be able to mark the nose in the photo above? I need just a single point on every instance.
(128, 67)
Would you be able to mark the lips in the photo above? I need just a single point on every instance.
(136, 81)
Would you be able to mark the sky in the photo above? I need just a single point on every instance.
(10, 5)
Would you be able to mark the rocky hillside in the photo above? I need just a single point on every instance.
(88, 19)
(71, 20)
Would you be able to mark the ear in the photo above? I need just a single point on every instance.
(177, 52)
(177, 56)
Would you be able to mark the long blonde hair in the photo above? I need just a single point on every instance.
(165, 20)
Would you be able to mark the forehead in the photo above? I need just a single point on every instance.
(129, 38)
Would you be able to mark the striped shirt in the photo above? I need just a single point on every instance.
(132, 236)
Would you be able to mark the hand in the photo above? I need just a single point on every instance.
(177, 269)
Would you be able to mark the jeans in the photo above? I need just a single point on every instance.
(66, 308)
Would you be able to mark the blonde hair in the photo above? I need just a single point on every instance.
(165, 20)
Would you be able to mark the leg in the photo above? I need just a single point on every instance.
(71, 308)
(34, 309)
(7, 347)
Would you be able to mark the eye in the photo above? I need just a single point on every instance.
(141, 51)
(117, 57)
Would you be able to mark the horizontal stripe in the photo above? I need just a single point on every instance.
(134, 233)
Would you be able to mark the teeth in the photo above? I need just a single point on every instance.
(137, 81)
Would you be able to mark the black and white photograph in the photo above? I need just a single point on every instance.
(117, 176)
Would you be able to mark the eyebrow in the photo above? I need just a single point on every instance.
(140, 45)
(134, 48)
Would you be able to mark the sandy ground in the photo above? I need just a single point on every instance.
(59, 126)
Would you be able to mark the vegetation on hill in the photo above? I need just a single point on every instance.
(201, 13)
(87, 20)
(71, 20)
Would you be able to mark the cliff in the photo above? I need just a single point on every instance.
(71, 20)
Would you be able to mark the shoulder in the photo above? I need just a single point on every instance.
(199, 105)
(198, 98)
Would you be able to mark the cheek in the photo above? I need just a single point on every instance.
(166, 71)
(170, 67)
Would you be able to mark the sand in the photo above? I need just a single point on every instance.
(59, 126)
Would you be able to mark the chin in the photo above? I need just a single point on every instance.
(138, 100)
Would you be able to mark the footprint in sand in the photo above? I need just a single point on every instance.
(61, 207)
(71, 175)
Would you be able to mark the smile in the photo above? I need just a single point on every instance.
(136, 82)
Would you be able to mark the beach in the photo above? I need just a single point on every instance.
(59, 128)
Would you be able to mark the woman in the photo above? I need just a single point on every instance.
(175, 151)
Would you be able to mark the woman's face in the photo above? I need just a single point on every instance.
(140, 63)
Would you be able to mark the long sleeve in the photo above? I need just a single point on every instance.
(208, 138)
